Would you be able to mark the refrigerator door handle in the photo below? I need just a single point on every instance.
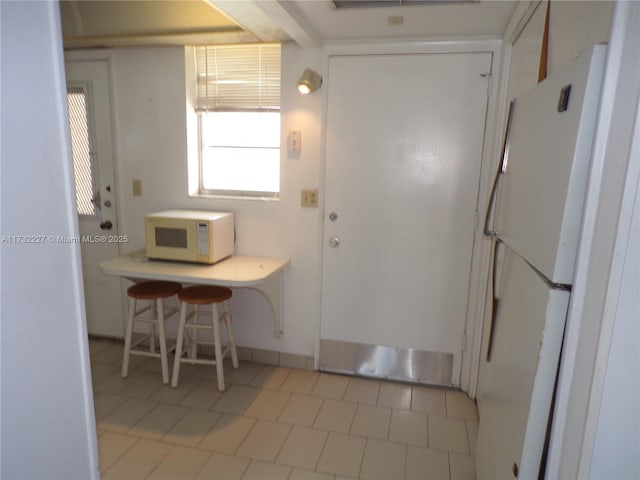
(502, 168)
(494, 299)
(488, 231)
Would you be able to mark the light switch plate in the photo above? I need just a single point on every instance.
(309, 198)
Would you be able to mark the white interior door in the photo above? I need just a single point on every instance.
(90, 120)
(403, 152)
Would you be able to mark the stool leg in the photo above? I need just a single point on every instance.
(179, 340)
(232, 343)
(152, 326)
(192, 334)
(127, 338)
(217, 347)
(162, 340)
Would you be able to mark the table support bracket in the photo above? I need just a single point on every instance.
(272, 288)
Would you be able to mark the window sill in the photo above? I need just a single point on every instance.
(218, 196)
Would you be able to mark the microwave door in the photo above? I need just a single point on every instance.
(171, 237)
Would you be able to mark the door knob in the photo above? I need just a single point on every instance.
(333, 216)
(106, 225)
(334, 242)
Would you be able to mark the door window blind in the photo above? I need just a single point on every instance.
(238, 77)
(83, 168)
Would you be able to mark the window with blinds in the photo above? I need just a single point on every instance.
(238, 105)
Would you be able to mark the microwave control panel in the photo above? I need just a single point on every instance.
(203, 238)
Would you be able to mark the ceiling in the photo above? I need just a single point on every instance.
(310, 23)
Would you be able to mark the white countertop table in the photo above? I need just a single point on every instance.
(263, 274)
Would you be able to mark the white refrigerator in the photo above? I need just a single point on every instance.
(535, 216)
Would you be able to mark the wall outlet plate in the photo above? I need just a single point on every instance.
(137, 188)
(309, 198)
(294, 141)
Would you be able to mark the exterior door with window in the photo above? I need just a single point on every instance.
(92, 148)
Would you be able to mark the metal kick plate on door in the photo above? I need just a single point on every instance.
(395, 363)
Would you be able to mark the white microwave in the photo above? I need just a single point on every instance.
(189, 235)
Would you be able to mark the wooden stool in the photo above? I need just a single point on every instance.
(154, 292)
(196, 296)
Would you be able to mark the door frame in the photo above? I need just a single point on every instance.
(481, 246)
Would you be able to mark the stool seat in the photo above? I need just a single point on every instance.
(195, 297)
(204, 294)
(154, 289)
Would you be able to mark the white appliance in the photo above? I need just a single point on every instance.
(537, 219)
(189, 235)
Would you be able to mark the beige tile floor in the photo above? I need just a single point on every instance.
(274, 423)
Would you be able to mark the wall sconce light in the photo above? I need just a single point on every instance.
(309, 81)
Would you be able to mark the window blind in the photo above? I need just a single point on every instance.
(238, 77)
(81, 150)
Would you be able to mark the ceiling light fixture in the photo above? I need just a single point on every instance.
(309, 81)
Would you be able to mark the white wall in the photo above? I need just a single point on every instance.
(47, 425)
(151, 123)
(574, 27)
(525, 55)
